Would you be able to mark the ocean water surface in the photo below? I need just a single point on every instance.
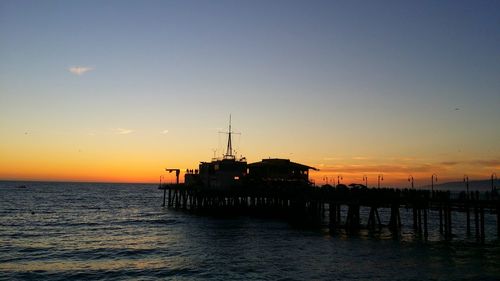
(69, 231)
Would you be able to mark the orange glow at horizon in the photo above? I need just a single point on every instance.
(136, 157)
(144, 170)
(398, 176)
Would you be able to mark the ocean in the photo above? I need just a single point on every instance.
(82, 231)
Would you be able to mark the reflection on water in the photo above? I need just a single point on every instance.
(84, 231)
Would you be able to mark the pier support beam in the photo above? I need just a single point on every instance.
(441, 219)
(333, 215)
(415, 224)
(419, 212)
(395, 220)
(467, 212)
(169, 197)
(373, 218)
(426, 232)
(483, 234)
(498, 219)
(164, 195)
(476, 222)
(353, 218)
(450, 221)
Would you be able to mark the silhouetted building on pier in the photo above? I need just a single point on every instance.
(282, 170)
(230, 172)
(218, 174)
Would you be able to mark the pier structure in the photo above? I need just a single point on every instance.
(280, 187)
(314, 204)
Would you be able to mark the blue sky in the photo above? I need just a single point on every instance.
(312, 79)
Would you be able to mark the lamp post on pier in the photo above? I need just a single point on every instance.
(434, 178)
(410, 179)
(380, 178)
(365, 178)
(466, 180)
(339, 177)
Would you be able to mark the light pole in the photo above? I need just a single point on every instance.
(365, 178)
(410, 179)
(466, 180)
(434, 178)
(380, 178)
(493, 180)
(339, 177)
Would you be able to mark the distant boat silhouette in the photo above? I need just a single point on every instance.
(22, 186)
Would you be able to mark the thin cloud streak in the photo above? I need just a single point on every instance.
(121, 131)
(450, 163)
(360, 158)
(486, 163)
(354, 169)
(80, 70)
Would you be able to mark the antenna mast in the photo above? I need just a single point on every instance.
(229, 151)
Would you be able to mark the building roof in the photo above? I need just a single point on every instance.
(281, 162)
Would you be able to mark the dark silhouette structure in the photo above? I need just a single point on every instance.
(280, 187)
(271, 170)
(231, 172)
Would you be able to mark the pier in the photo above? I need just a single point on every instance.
(314, 204)
(281, 188)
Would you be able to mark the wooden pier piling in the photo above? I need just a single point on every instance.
(440, 219)
(498, 219)
(483, 234)
(426, 231)
(467, 211)
(476, 221)
(332, 215)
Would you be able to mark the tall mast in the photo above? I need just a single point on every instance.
(229, 151)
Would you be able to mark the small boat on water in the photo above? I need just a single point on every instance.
(21, 186)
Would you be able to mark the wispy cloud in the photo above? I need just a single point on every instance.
(121, 131)
(80, 70)
(450, 163)
(332, 158)
(164, 132)
(360, 158)
(354, 169)
(486, 163)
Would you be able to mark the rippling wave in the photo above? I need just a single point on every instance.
(68, 231)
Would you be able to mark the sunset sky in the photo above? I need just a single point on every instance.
(119, 90)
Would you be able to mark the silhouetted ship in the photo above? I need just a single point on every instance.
(232, 172)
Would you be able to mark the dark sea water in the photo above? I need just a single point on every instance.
(70, 231)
